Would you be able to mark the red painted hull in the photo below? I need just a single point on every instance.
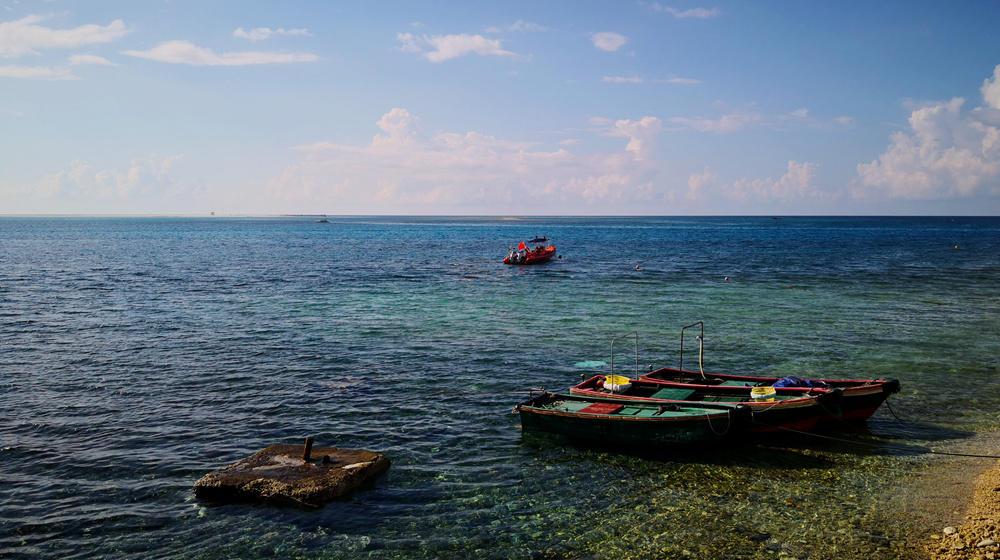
(861, 397)
(793, 408)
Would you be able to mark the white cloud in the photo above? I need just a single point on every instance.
(401, 126)
(724, 124)
(404, 171)
(741, 119)
(518, 26)
(797, 183)
(183, 52)
(608, 40)
(22, 36)
(523, 26)
(89, 59)
(640, 134)
(56, 73)
(701, 13)
(144, 177)
(622, 80)
(698, 181)
(991, 89)
(265, 33)
(947, 153)
(438, 48)
(684, 81)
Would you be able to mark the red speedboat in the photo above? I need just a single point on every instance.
(523, 255)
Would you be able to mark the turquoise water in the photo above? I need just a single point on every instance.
(138, 354)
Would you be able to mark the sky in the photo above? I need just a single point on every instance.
(513, 108)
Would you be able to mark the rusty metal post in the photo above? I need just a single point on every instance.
(308, 450)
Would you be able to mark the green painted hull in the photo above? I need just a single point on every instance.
(631, 423)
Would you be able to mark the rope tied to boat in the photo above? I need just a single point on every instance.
(729, 423)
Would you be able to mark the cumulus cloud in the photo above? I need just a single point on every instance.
(698, 181)
(438, 48)
(21, 37)
(144, 177)
(404, 170)
(265, 33)
(947, 152)
(183, 52)
(89, 59)
(38, 73)
(640, 134)
(797, 183)
(608, 40)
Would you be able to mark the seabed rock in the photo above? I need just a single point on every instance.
(289, 475)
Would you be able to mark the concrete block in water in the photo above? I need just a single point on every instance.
(282, 475)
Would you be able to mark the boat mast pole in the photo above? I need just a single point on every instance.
(701, 347)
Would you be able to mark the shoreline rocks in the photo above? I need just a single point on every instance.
(977, 537)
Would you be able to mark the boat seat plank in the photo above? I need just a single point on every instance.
(573, 406)
(674, 394)
(602, 408)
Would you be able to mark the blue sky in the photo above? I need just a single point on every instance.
(499, 108)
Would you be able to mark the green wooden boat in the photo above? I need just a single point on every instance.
(631, 423)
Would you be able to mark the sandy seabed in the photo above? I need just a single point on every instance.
(961, 499)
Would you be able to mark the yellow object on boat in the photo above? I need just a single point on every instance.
(763, 394)
(617, 383)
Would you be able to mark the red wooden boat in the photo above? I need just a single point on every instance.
(861, 397)
(772, 409)
(523, 255)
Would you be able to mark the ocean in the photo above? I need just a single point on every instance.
(139, 354)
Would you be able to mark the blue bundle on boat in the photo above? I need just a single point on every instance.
(792, 381)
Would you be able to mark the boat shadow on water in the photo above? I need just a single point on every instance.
(883, 437)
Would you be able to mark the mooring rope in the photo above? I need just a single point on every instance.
(729, 424)
(489, 392)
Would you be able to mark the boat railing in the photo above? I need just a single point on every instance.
(636, 335)
(701, 347)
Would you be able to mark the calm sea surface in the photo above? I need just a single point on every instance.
(139, 354)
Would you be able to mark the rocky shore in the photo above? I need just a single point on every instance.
(977, 537)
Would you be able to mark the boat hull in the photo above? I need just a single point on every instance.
(630, 423)
(860, 397)
(536, 256)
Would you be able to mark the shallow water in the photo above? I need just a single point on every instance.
(141, 353)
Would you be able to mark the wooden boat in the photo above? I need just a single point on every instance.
(860, 397)
(631, 422)
(523, 255)
(772, 409)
